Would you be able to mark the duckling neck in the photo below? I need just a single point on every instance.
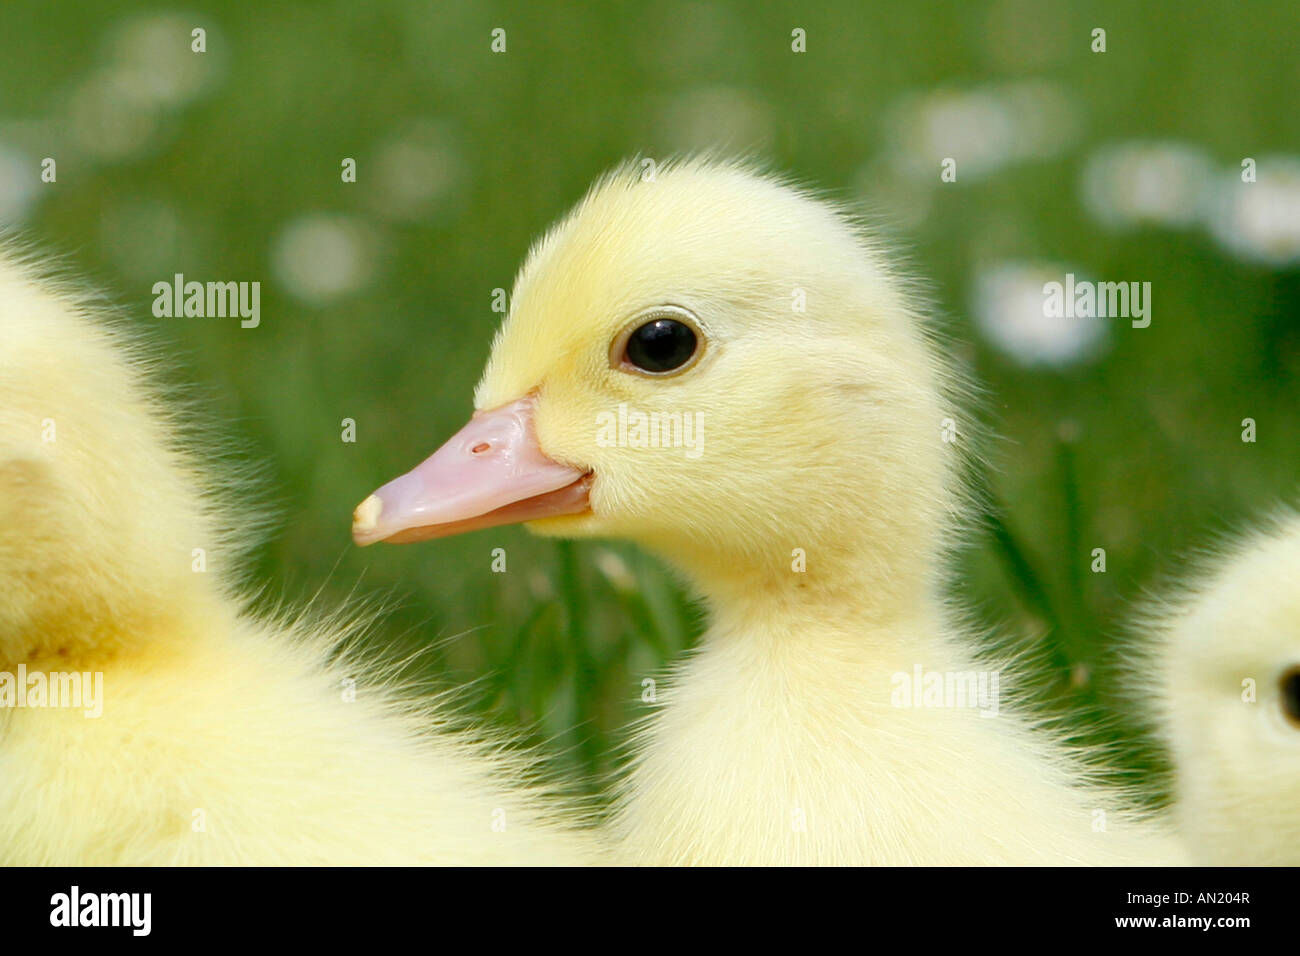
(830, 590)
(874, 632)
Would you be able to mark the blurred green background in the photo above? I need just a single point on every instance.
(376, 295)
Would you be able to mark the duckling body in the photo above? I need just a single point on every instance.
(760, 755)
(1222, 662)
(813, 514)
(223, 737)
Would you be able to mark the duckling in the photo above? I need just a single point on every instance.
(146, 715)
(724, 368)
(1221, 668)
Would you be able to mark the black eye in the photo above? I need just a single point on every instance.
(663, 344)
(1291, 694)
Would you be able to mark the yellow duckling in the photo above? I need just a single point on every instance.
(723, 368)
(145, 716)
(1224, 687)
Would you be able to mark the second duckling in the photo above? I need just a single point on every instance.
(1221, 674)
(147, 717)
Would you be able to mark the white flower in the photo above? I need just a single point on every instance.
(983, 129)
(1260, 220)
(320, 257)
(416, 172)
(1133, 183)
(152, 63)
(19, 177)
(1010, 310)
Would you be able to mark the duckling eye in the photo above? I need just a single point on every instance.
(1291, 695)
(667, 342)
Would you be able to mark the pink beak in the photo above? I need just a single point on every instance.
(489, 473)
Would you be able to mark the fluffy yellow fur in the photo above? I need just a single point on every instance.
(224, 738)
(1215, 658)
(822, 402)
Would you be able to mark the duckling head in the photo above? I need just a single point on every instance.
(714, 364)
(1227, 700)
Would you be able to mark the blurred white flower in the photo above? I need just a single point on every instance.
(539, 585)
(322, 256)
(1009, 309)
(416, 171)
(1259, 221)
(107, 123)
(983, 129)
(148, 69)
(1128, 184)
(19, 180)
(616, 571)
(151, 62)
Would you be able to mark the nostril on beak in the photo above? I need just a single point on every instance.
(481, 448)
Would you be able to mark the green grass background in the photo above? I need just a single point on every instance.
(555, 645)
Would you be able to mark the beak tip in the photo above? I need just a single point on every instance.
(365, 518)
